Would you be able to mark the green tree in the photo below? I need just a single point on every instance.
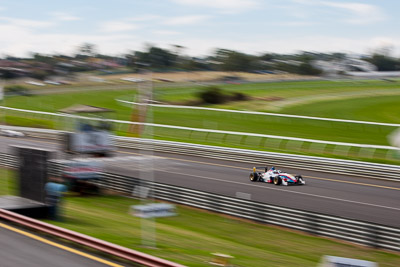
(267, 57)
(384, 63)
(154, 57)
(17, 90)
(307, 69)
(161, 58)
(39, 74)
(7, 73)
(43, 58)
(87, 49)
(234, 61)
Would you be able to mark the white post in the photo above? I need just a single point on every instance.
(146, 171)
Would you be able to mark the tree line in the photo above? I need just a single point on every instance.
(160, 59)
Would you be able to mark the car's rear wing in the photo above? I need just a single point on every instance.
(264, 167)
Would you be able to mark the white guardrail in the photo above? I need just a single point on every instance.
(311, 163)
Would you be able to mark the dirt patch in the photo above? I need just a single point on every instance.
(205, 76)
(186, 103)
(269, 98)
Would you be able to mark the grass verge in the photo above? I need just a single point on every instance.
(8, 185)
(29, 122)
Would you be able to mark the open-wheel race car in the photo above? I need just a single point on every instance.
(11, 133)
(276, 177)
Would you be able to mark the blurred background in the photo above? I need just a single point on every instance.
(154, 113)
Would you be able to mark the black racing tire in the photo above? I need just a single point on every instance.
(277, 180)
(254, 177)
(299, 179)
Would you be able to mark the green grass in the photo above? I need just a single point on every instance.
(29, 122)
(8, 185)
(270, 125)
(377, 108)
(190, 237)
(55, 102)
(285, 89)
(344, 99)
(193, 235)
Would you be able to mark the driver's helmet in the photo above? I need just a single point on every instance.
(272, 168)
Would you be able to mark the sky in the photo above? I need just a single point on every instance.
(117, 27)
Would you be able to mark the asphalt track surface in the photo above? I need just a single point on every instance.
(22, 248)
(361, 198)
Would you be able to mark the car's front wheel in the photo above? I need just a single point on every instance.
(254, 177)
(300, 180)
(277, 180)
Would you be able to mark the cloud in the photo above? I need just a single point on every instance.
(24, 35)
(384, 44)
(186, 20)
(147, 17)
(226, 6)
(361, 13)
(64, 16)
(162, 32)
(117, 26)
(294, 23)
(22, 41)
(25, 23)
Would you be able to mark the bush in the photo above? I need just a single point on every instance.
(237, 96)
(17, 90)
(39, 74)
(213, 95)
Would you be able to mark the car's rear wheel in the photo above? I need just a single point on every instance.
(253, 177)
(277, 180)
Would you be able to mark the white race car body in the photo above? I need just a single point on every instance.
(277, 177)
